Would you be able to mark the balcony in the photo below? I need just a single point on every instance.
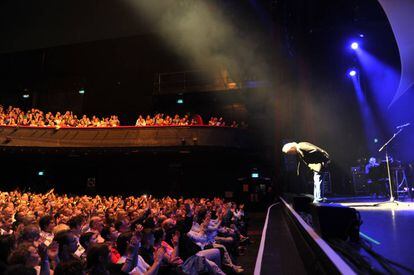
(180, 137)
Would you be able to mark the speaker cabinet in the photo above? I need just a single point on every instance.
(336, 222)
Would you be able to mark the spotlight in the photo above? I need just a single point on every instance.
(41, 173)
(81, 91)
(180, 101)
(361, 35)
(25, 95)
(375, 140)
(352, 73)
(354, 45)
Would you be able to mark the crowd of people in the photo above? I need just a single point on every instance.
(165, 120)
(60, 234)
(214, 121)
(13, 116)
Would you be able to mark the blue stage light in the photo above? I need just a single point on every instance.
(354, 45)
(352, 73)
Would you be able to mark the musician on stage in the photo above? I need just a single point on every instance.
(373, 173)
(372, 163)
(315, 159)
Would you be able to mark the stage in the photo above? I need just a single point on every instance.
(385, 234)
(388, 227)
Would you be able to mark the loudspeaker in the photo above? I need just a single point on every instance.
(336, 222)
(359, 180)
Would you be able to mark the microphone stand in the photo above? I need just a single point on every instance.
(385, 146)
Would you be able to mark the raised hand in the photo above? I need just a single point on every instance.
(159, 255)
(176, 261)
(42, 251)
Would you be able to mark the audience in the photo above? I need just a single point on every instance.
(47, 233)
(13, 116)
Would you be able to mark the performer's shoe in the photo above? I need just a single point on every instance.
(319, 200)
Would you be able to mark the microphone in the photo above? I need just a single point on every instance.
(403, 125)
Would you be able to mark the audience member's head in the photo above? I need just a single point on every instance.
(46, 223)
(122, 242)
(67, 243)
(75, 224)
(30, 234)
(86, 239)
(96, 223)
(24, 254)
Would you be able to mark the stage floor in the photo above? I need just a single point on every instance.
(389, 227)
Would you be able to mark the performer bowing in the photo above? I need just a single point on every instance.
(315, 159)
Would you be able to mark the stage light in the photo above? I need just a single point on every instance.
(255, 175)
(180, 101)
(25, 95)
(81, 91)
(352, 73)
(375, 140)
(354, 45)
(41, 173)
(361, 35)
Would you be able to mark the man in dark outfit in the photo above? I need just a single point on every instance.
(314, 157)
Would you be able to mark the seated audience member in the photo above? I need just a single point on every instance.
(30, 234)
(67, 246)
(30, 257)
(86, 240)
(96, 226)
(46, 225)
(147, 246)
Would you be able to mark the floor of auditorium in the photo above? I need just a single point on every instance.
(280, 254)
(248, 260)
